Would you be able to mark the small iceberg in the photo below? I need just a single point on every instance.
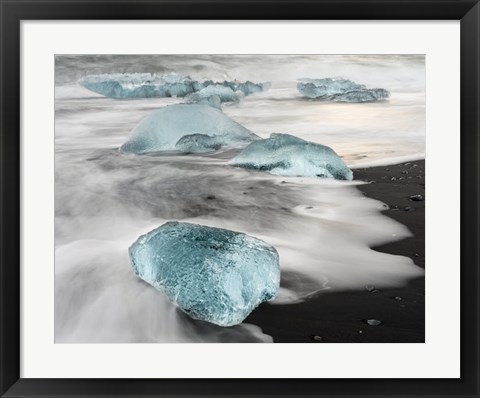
(164, 129)
(212, 274)
(247, 87)
(287, 155)
(147, 85)
(214, 95)
(340, 90)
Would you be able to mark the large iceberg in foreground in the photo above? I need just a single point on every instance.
(146, 85)
(212, 274)
(162, 130)
(340, 90)
(286, 155)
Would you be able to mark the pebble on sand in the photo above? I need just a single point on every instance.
(417, 198)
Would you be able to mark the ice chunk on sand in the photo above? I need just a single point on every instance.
(286, 155)
(139, 85)
(340, 90)
(212, 274)
(161, 130)
(145, 85)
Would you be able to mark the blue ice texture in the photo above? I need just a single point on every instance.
(212, 274)
(146, 85)
(139, 85)
(247, 87)
(287, 155)
(340, 90)
(164, 128)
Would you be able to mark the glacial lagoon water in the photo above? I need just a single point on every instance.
(322, 229)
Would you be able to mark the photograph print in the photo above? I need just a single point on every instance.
(240, 198)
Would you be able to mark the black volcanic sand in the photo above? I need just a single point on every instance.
(341, 317)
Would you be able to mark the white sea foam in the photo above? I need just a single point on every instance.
(388, 161)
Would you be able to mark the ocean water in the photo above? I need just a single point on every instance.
(322, 229)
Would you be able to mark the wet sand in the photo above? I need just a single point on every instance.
(341, 317)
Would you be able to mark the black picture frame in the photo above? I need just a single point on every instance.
(14, 11)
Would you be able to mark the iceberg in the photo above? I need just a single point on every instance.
(247, 87)
(162, 129)
(340, 90)
(212, 100)
(211, 94)
(370, 95)
(146, 85)
(212, 274)
(286, 155)
(139, 85)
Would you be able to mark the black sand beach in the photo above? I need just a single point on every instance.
(342, 317)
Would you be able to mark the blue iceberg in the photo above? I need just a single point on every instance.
(340, 90)
(286, 155)
(146, 85)
(139, 85)
(162, 130)
(212, 274)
